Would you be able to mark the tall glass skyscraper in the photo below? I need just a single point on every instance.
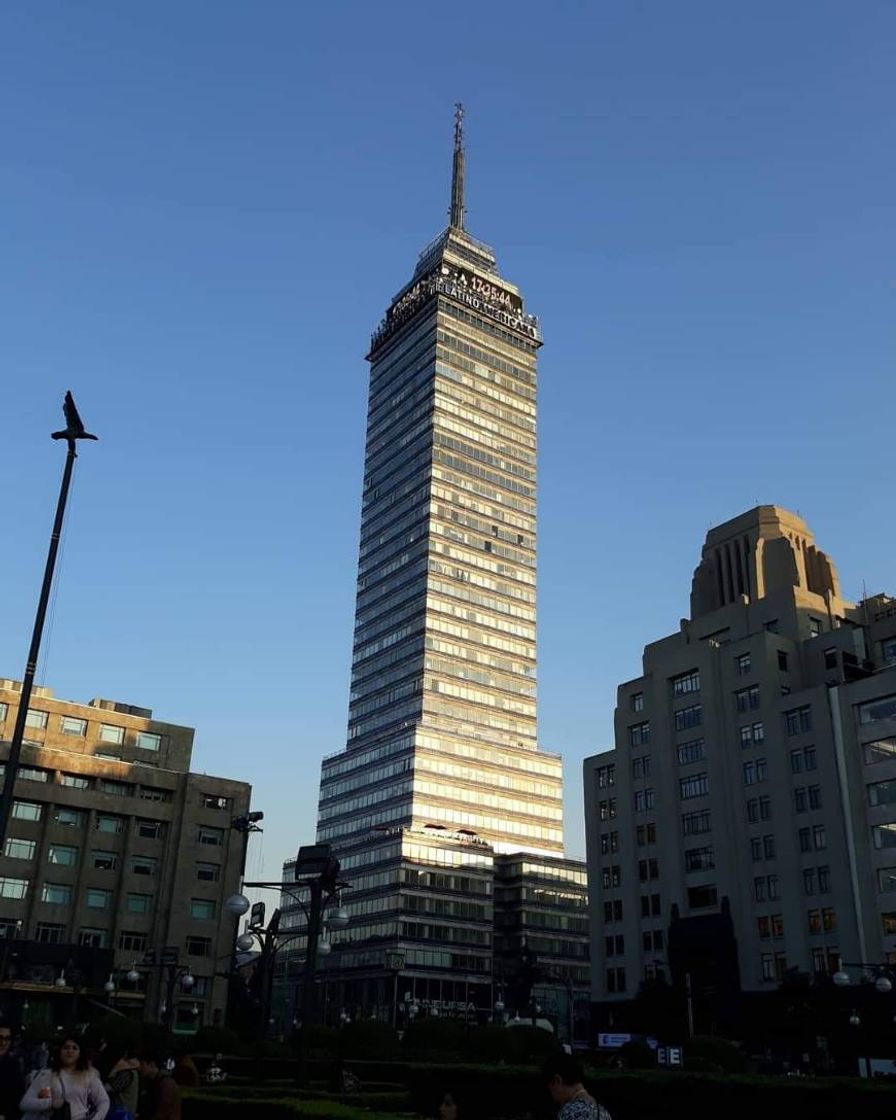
(442, 771)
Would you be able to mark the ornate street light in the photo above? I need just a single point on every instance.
(133, 975)
(109, 986)
(237, 905)
(883, 984)
(854, 1020)
(245, 941)
(841, 979)
(324, 948)
(337, 918)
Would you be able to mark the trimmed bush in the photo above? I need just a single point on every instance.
(202, 1105)
(708, 1054)
(214, 1040)
(367, 1038)
(637, 1055)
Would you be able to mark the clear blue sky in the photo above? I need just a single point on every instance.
(205, 208)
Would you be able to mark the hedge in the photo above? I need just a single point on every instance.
(199, 1104)
(495, 1092)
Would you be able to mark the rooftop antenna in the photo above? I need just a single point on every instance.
(456, 213)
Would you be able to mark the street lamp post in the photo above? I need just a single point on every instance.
(882, 976)
(167, 963)
(73, 977)
(74, 430)
(317, 871)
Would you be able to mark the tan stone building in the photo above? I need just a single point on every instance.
(753, 775)
(114, 853)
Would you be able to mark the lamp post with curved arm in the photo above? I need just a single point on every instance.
(317, 872)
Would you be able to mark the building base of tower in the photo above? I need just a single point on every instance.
(441, 926)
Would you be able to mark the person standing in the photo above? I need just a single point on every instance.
(12, 1079)
(70, 1079)
(564, 1078)
(163, 1097)
(122, 1082)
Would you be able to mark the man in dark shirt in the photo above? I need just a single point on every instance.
(12, 1079)
(162, 1099)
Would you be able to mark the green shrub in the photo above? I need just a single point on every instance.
(637, 1055)
(202, 1105)
(446, 1035)
(708, 1054)
(367, 1038)
(215, 1040)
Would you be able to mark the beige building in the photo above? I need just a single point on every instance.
(754, 772)
(115, 852)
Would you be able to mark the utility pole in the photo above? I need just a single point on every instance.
(73, 431)
(690, 1003)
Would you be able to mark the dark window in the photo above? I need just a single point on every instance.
(688, 717)
(699, 859)
(747, 699)
(606, 776)
(686, 683)
(701, 897)
(798, 721)
(644, 800)
(695, 785)
(694, 823)
(691, 751)
(51, 933)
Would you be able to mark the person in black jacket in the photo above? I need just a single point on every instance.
(12, 1078)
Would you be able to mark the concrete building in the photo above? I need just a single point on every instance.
(115, 854)
(750, 801)
(442, 771)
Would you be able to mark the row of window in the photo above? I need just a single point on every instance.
(797, 721)
(82, 781)
(72, 725)
(96, 937)
(109, 823)
(62, 894)
(66, 855)
(652, 941)
(111, 786)
(816, 880)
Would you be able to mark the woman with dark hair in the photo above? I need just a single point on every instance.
(69, 1080)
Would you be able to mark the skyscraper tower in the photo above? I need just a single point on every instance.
(442, 770)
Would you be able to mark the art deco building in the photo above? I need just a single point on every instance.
(749, 805)
(117, 858)
(442, 768)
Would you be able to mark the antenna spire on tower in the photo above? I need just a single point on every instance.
(457, 173)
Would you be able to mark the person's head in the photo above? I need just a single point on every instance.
(110, 1054)
(149, 1063)
(563, 1076)
(5, 1039)
(69, 1054)
(450, 1106)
